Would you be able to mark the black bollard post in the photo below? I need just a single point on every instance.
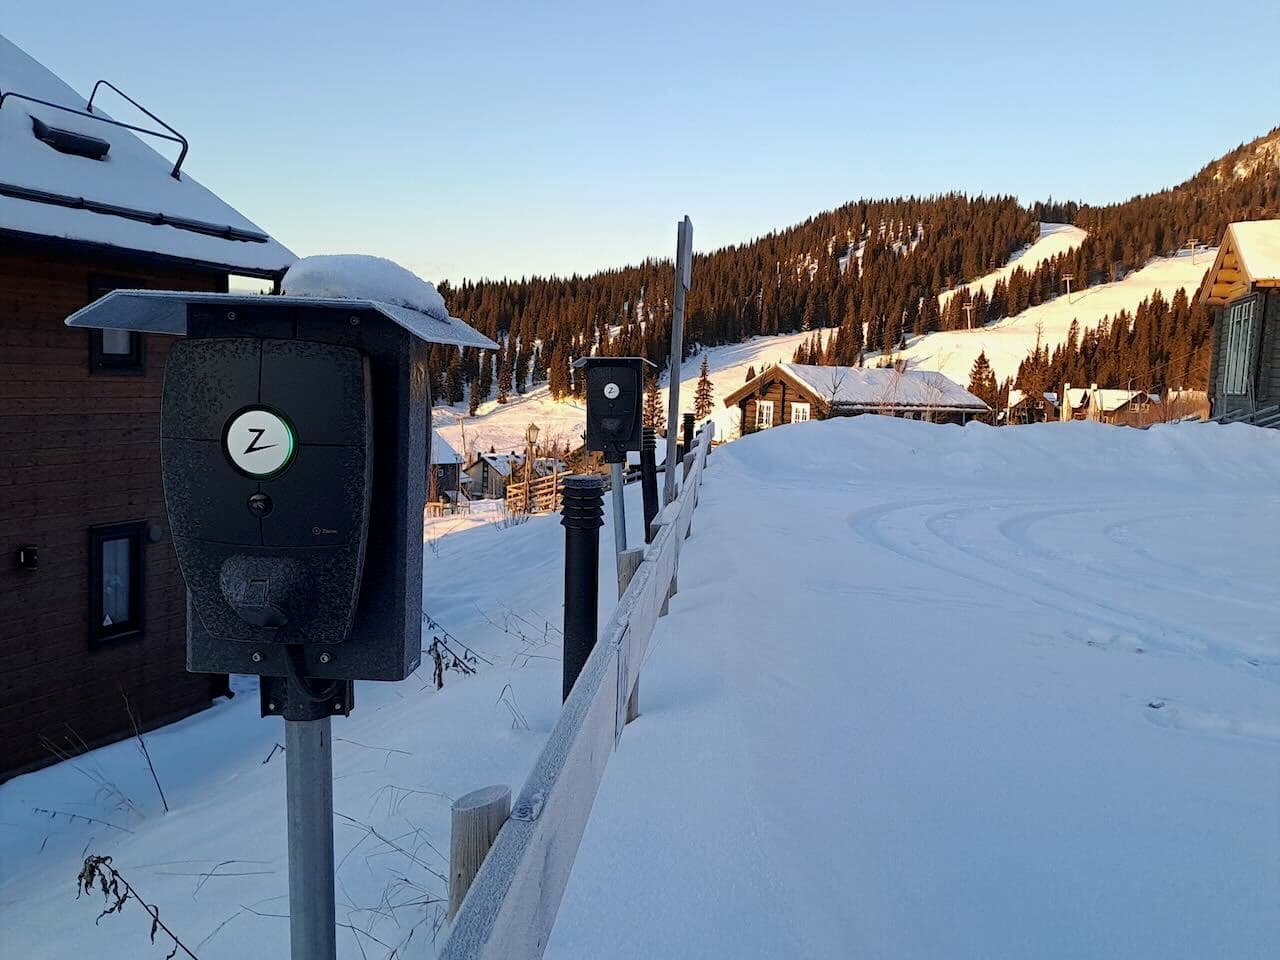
(687, 422)
(582, 517)
(649, 479)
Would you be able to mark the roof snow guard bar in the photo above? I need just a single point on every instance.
(226, 232)
(173, 135)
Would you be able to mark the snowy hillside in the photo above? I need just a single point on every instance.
(1008, 342)
(502, 426)
(1055, 239)
(916, 698)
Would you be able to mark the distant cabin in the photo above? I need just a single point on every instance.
(490, 473)
(1133, 408)
(445, 479)
(794, 392)
(1024, 408)
(1242, 288)
(92, 606)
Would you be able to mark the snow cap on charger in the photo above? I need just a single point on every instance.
(357, 276)
(343, 281)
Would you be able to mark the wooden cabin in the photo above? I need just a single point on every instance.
(445, 476)
(1242, 288)
(92, 605)
(1024, 408)
(794, 392)
(490, 473)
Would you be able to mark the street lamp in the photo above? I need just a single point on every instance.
(530, 439)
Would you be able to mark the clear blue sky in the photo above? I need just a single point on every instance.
(494, 138)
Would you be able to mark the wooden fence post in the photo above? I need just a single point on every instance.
(628, 563)
(477, 818)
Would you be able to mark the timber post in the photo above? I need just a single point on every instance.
(628, 563)
(476, 820)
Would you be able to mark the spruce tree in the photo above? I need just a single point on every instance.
(653, 414)
(453, 379)
(982, 381)
(704, 394)
(506, 366)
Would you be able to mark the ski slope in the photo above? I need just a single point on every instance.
(916, 698)
(1008, 342)
(1055, 239)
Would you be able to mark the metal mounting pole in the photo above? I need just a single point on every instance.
(684, 258)
(308, 763)
(619, 512)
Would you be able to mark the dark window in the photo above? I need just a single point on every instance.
(115, 351)
(115, 581)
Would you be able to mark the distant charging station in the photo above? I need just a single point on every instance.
(615, 391)
(294, 433)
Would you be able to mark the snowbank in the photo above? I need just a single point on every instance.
(355, 276)
(924, 692)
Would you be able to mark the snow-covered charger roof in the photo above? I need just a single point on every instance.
(346, 281)
(128, 199)
(871, 387)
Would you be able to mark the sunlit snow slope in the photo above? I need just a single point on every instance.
(1006, 343)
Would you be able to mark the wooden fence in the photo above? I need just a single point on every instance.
(539, 495)
(512, 903)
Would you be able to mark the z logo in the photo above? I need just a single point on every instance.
(253, 446)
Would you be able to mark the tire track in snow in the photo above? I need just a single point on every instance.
(1023, 581)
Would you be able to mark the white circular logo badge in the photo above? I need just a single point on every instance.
(611, 391)
(259, 442)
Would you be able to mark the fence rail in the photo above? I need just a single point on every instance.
(539, 495)
(512, 903)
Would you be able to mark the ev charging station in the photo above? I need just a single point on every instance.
(615, 393)
(294, 434)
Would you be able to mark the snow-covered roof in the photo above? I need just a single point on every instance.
(1016, 396)
(1258, 246)
(881, 387)
(441, 452)
(1105, 399)
(1111, 400)
(128, 199)
(501, 462)
(1249, 256)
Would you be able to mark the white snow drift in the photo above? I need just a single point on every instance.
(924, 692)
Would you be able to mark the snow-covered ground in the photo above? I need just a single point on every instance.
(925, 692)
(1008, 342)
(1055, 239)
(956, 692)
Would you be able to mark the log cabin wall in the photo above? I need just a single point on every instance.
(79, 449)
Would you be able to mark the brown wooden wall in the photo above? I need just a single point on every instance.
(783, 394)
(79, 449)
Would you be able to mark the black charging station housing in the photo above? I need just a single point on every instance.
(615, 393)
(322, 556)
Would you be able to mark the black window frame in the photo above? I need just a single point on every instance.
(133, 363)
(135, 532)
